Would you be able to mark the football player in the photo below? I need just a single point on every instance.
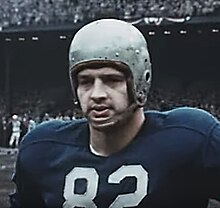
(15, 125)
(119, 155)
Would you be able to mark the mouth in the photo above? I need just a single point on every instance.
(99, 113)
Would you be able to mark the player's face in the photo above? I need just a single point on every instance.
(102, 94)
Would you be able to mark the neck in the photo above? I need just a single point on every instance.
(109, 141)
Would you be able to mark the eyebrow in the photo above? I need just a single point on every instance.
(85, 74)
(110, 75)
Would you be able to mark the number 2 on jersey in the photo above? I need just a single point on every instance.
(92, 178)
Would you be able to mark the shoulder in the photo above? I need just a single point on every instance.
(191, 116)
(54, 131)
(185, 117)
(189, 113)
(49, 143)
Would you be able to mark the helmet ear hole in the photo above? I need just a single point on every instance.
(147, 76)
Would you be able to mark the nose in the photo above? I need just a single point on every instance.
(98, 90)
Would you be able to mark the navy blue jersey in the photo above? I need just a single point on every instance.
(174, 161)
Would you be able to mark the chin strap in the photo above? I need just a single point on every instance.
(118, 119)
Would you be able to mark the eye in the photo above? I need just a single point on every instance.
(114, 79)
(85, 81)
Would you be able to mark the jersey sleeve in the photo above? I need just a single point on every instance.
(28, 182)
(211, 163)
(26, 194)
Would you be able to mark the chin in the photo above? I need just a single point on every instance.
(110, 124)
(104, 126)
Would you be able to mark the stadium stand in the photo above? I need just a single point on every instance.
(50, 12)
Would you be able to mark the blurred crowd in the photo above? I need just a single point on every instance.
(32, 108)
(203, 98)
(58, 12)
